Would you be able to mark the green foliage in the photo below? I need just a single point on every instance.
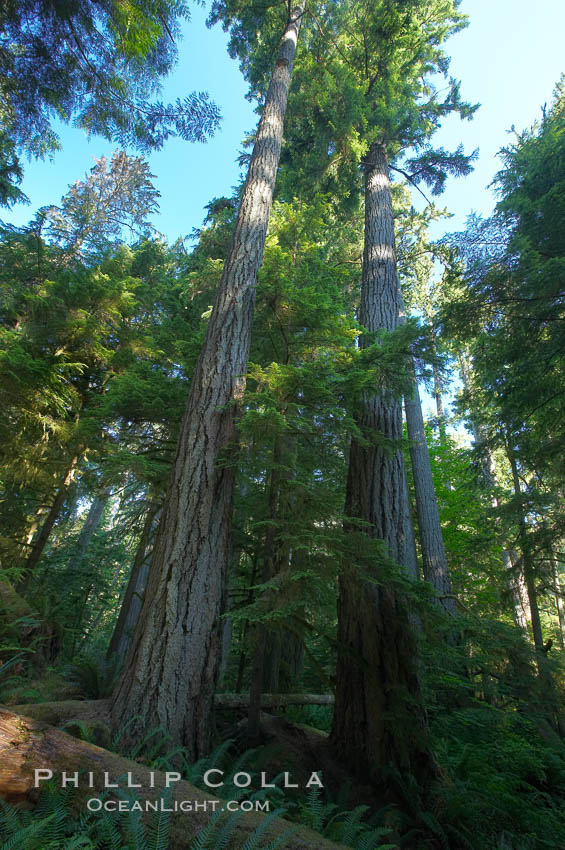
(98, 65)
(349, 828)
(93, 678)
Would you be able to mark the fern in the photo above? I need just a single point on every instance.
(26, 837)
(206, 833)
(352, 825)
(282, 840)
(370, 840)
(86, 733)
(315, 809)
(225, 832)
(252, 841)
(161, 830)
(199, 768)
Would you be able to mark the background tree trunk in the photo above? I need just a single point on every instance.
(558, 597)
(171, 673)
(379, 719)
(434, 559)
(135, 590)
(512, 564)
(89, 526)
(40, 540)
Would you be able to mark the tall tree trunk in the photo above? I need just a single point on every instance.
(135, 590)
(171, 673)
(283, 648)
(40, 540)
(379, 718)
(526, 555)
(551, 704)
(440, 411)
(517, 588)
(411, 559)
(262, 636)
(434, 559)
(32, 530)
(245, 630)
(558, 597)
(89, 526)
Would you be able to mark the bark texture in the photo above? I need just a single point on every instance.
(26, 744)
(434, 558)
(171, 673)
(379, 719)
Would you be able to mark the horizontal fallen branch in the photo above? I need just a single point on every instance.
(97, 712)
(272, 700)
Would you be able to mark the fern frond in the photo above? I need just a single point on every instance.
(255, 837)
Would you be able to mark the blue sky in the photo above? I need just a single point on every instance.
(509, 60)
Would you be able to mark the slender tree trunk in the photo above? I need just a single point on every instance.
(438, 388)
(440, 411)
(245, 629)
(32, 530)
(88, 528)
(170, 676)
(261, 632)
(529, 572)
(516, 586)
(379, 718)
(434, 558)
(40, 540)
(551, 703)
(282, 651)
(558, 598)
(135, 590)
(512, 564)
(411, 559)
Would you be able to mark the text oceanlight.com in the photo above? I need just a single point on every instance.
(96, 804)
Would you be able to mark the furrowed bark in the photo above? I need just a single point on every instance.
(171, 673)
(27, 744)
(379, 719)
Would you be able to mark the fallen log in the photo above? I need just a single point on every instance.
(59, 713)
(27, 745)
